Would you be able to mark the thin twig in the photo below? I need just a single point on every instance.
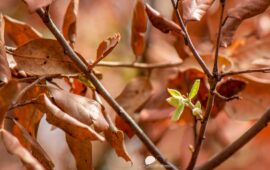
(104, 93)
(189, 42)
(236, 145)
(260, 70)
(226, 98)
(201, 136)
(137, 65)
(215, 68)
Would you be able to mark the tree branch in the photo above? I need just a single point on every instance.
(236, 145)
(104, 93)
(189, 42)
(201, 136)
(215, 68)
(260, 70)
(137, 65)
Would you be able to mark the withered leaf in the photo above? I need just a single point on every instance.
(35, 4)
(69, 26)
(125, 127)
(227, 88)
(5, 74)
(255, 99)
(161, 23)
(194, 10)
(116, 139)
(135, 94)
(246, 9)
(14, 147)
(70, 125)
(81, 108)
(139, 25)
(20, 32)
(7, 93)
(34, 147)
(43, 56)
(82, 152)
(106, 46)
(139, 20)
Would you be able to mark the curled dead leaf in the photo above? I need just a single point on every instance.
(69, 26)
(14, 147)
(161, 23)
(20, 32)
(116, 139)
(194, 10)
(81, 108)
(70, 125)
(246, 9)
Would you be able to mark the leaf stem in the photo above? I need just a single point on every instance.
(104, 93)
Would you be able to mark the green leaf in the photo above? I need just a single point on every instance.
(174, 93)
(173, 101)
(194, 90)
(178, 112)
(198, 105)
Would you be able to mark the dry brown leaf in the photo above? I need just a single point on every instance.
(246, 9)
(139, 25)
(116, 139)
(7, 93)
(81, 108)
(35, 4)
(14, 147)
(69, 26)
(70, 125)
(20, 32)
(161, 23)
(34, 147)
(255, 99)
(194, 10)
(106, 46)
(5, 74)
(253, 55)
(135, 94)
(124, 126)
(82, 152)
(43, 56)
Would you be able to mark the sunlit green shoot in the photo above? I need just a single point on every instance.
(194, 90)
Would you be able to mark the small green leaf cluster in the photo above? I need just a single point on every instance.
(180, 101)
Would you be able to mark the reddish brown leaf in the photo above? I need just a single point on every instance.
(35, 4)
(70, 125)
(7, 93)
(14, 147)
(43, 56)
(106, 46)
(254, 101)
(69, 26)
(246, 9)
(227, 88)
(161, 23)
(116, 139)
(5, 74)
(194, 10)
(121, 124)
(82, 152)
(20, 32)
(81, 108)
(139, 25)
(135, 94)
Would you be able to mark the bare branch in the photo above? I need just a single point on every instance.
(189, 42)
(260, 70)
(236, 145)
